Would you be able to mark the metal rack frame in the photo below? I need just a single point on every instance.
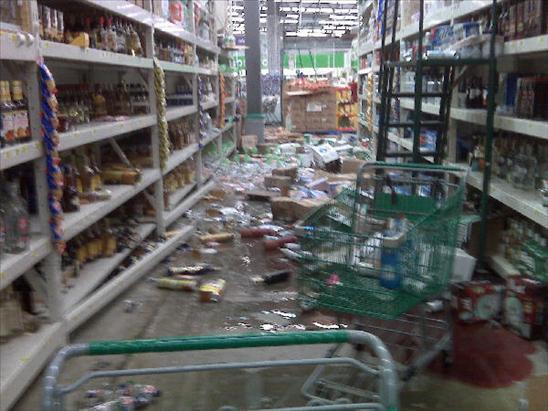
(22, 358)
(525, 203)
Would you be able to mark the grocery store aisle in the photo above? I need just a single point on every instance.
(246, 307)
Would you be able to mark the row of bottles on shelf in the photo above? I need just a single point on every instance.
(206, 88)
(181, 133)
(524, 95)
(182, 95)
(14, 115)
(79, 104)
(521, 161)
(175, 51)
(525, 245)
(179, 177)
(101, 32)
(102, 240)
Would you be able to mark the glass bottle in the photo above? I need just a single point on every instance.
(81, 251)
(71, 201)
(86, 174)
(99, 103)
(7, 113)
(109, 241)
(136, 48)
(111, 36)
(97, 181)
(17, 220)
(120, 37)
(92, 33)
(101, 34)
(21, 114)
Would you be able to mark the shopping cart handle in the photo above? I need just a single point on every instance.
(215, 342)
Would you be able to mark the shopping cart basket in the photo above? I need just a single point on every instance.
(384, 397)
(379, 250)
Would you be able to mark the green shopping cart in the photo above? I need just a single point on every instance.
(379, 251)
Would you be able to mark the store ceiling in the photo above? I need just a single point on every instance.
(305, 18)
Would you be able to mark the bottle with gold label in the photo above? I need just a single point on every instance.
(21, 114)
(99, 103)
(109, 241)
(87, 175)
(97, 181)
(7, 115)
(81, 251)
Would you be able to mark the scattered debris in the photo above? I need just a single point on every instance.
(211, 291)
(180, 283)
(198, 269)
(270, 245)
(218, 238)
(273, 278)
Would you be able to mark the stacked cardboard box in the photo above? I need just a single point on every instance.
(312, 112)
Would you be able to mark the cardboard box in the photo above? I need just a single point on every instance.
(524, 306)
(288, 172)
(351, 165)
(280, 182)
(476, 301)
(282, 209)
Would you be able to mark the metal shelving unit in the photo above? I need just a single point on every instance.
(23, 356)
(527, 204)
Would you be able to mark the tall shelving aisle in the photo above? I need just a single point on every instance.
(520, 55)
(172, 176)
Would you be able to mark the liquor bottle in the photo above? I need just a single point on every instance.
(71, 201)
(109, 241)
(111, 36)
(99, 103)
(101, 34)
(120, 37)
(86, 174)
(21, 115)
(60, 26)
(17, 220)
(135, 46)
(97, 181)
(91, 32)
(81, 251)
(7, 113)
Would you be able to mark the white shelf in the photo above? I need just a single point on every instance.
(61, 51)
(124, 280)
(173, 113)
(534, 128)
(171, 216)
(212, 136)
(524, 202)
(13, 265)
(210, 105)
(93, 273)
(167, 27)
(206, 71)
(455, 11)
(177, 67)
(176, 197)
(373, 69)
(76, 222)
(229, 100)
(207, 45)
(23, 357)
(100, 130)
(123, 8)
(227, 127)
(528, 45)
(16, 46)
(20, 153)
(502, 266)
(178, 157)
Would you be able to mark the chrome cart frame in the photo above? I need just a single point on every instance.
(384, 373)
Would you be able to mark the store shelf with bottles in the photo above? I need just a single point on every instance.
(176, 197)
(178, 157)
(101, 130)
(22, 358)
(534, 128)
(76, 222)
(111, 289)
(527, 203)
(171, 216)
(61, 51)
(94, 273)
